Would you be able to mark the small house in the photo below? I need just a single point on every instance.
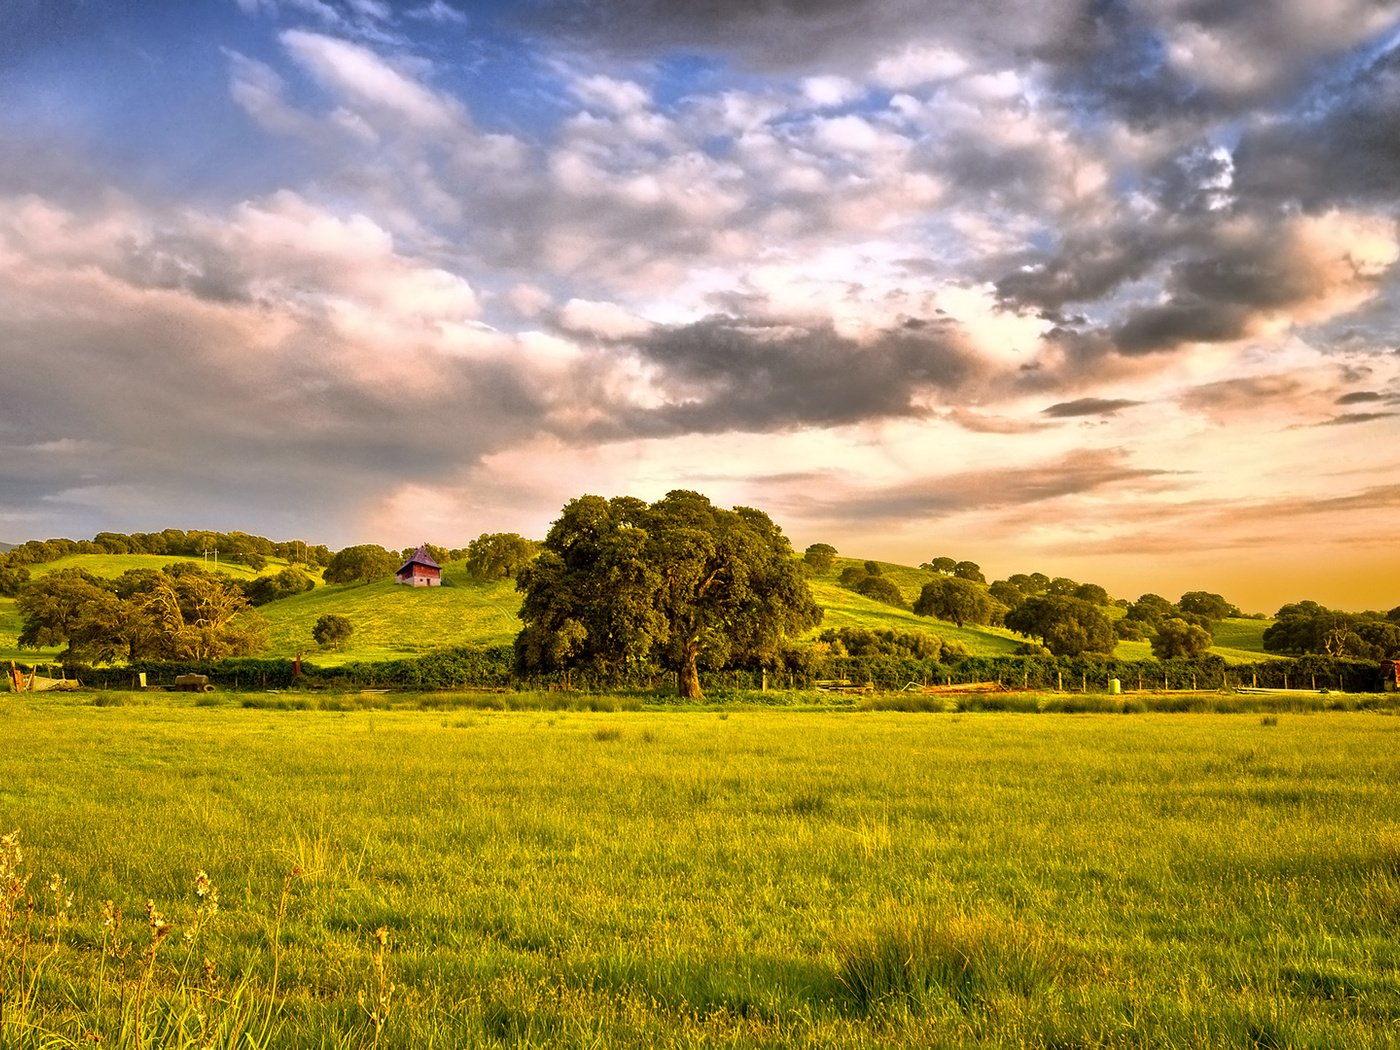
(420, 570)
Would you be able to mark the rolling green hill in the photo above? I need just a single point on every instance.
(392, 621)
(845, 608)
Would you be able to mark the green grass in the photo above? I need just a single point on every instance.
(1242, 635)
(393, 621)
(740, 879)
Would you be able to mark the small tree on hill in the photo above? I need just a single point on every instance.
(969, 570)
(1208, 606)
(880, 589)
(821, 557)
(332, 631)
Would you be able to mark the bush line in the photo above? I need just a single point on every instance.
(493, 667)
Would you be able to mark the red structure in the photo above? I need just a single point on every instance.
(1390, 674)
(420, 570)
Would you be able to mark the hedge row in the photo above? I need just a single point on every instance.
(493, 668)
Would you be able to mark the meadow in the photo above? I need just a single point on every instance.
(738, 878)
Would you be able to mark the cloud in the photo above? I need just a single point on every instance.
(1352, 418)
(1077, 473)
(724, 374)
(1341, 147)
(604, 320)
(277, 354)
(1226, 399)
(1306, 269)
(1088, 406)
(365, 80)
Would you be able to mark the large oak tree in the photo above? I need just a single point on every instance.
(621, 584)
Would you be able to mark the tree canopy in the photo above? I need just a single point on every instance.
(366, 562)
(1066, 626)
(958, 600)
(821, 557)
(1307, 627)
(499, 555)
(1178, 639)
(622, 585)
(332, 631)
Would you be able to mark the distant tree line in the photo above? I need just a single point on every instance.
(1307, 627)
(181, 612)
(236, 547)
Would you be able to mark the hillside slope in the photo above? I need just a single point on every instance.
(391, 621)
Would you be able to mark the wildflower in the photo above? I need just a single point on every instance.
(160, 929)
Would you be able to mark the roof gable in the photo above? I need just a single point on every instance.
(420, 557)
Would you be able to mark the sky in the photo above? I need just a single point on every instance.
(1095, 288)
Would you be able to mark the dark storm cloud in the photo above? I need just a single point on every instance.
(1117, 63)
(1088, 266)
(1153, 64)
(1217, 295)
(1087, 406)
(1155, 329)
(1074, 474)
(723, 374)
(1345, 146)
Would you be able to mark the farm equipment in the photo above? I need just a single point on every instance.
(953, 690)
(193, 683)
(842, 685)
(34, 682)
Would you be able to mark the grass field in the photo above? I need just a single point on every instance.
(744, 879)
(393, 621)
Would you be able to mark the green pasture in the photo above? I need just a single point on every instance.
(1241, 636)
(393, 621)
(468, 878)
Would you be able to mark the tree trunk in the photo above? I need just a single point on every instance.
(688, 676)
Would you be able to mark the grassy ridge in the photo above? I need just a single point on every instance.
(760, 879)
(392, 621)
(113, 565)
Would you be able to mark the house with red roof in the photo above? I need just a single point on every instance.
(420, 570)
